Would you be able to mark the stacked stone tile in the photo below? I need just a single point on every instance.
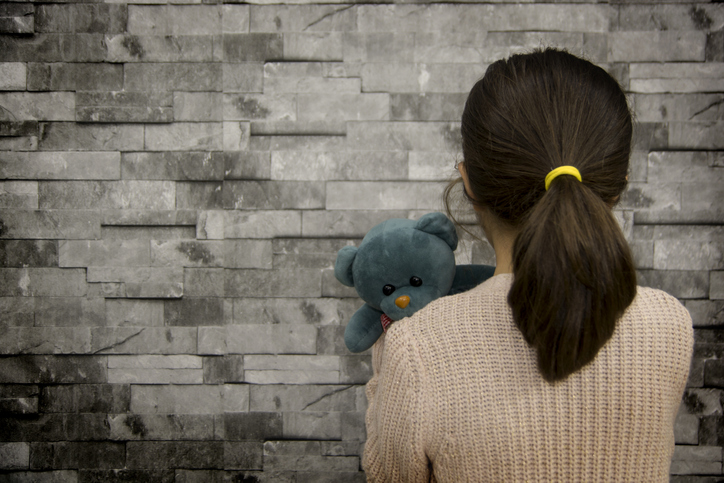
(176, 179)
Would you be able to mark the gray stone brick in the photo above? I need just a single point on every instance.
(716, 288)
(203, 282)
(122, 106)
(14, 456)
(185, 136)
(173, 427)
(12, 76)
(298, 143)
(248, 254)
(705, 312)
(313, 425)
(686, 429)
(36, 48)
(18, 128)
(409, 136)
(683, 135)
(85, 398)
(355, 369)
(669, 17)
(659, 197)
(148, 232)
(48, 369)
(678, 107)
(292, 128)
(312, 85)
(187, 253)
(658, 46)
(189, 399)
(174, 454)
(223, 369)
(243, 77)
(69, 311)
(331, 340)
(651, 136)
(63, 136)
(145, 217)
(236, 136)
(40, 106)
(149, 195)
(326, 46)
(714, 51)
(352, 224)
(46, 340)
(235, 19)
(82, 18)
(403, 77)
(273, 195)
(679, 283)
(123, 476)
(21, 195)
(353, 426)
(135, 275)
(688, 255)
(42, 282)
(28, 253)
(702, 197)
(427, 107)
(335, 107)
(257, 426)
(174, 19)
(85, 253)
(245, 455)
(62, 476)
(253, 107)
(309, 397)
(365, 195)
(293, 311)
(187, 76)
(361, 165)
(197, 106)
(261, 339)
(304, 18)
(194, 312)
(83, 76)
(67, 455)
(199, 195)
(247, 165)
(17, 19)
(173, 165)
(60, 165)
(306, 253)
(272, 283)
(126, 340)
(252, 47)
(170, 48)
(17, 311)
(262, 224)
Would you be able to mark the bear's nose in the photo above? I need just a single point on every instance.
(402, 301)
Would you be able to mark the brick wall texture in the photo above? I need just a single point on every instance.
(176, 179)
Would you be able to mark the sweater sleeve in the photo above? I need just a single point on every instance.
(395, 449)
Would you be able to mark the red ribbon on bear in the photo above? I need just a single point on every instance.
(386, 321)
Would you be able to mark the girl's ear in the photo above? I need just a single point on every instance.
(439, 225)
(343, 265)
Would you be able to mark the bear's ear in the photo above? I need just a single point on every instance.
(343, 265)
(439, 225)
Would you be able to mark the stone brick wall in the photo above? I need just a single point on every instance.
(176, 179)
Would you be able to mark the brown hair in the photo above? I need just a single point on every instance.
(573, 271)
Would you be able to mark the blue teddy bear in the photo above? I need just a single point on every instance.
(400, 266)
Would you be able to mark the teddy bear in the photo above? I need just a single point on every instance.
(401, 266)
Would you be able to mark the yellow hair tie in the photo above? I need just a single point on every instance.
(562, 170)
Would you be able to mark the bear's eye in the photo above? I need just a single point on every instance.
(415, 281)
(388, 289)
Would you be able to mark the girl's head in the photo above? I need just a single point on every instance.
(573, 272)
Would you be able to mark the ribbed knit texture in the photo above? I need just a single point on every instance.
(456, 391)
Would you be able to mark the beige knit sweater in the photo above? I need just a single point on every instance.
(456, 396)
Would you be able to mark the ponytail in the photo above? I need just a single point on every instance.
(574, 274)
(574, 277)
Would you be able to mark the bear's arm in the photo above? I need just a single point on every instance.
(470, 276)
(363, 329)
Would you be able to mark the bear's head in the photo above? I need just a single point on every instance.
(401, 265)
